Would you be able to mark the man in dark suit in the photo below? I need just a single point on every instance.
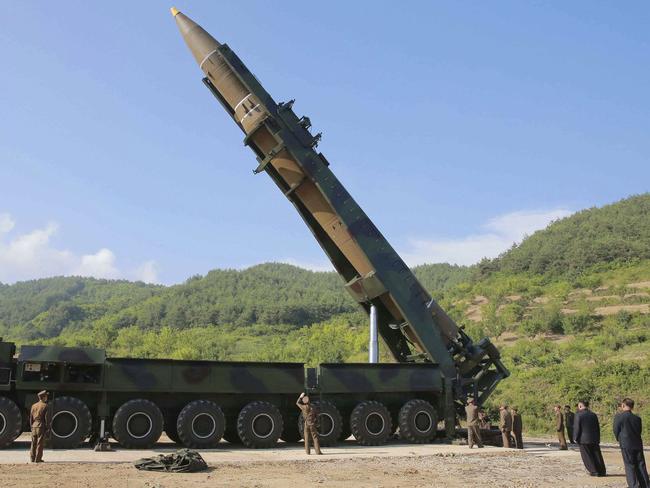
(517, 427)
(627, 430)
(586, 431)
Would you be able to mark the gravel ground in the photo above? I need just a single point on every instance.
(395, 465)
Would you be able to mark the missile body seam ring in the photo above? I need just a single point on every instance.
(206, 58)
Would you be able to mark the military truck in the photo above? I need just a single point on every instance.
(437, 365)
(196, 403)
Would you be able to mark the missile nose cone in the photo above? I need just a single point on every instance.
(197, 39)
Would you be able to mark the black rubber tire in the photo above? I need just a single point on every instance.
(11, 422)
(190, 426)
(371, 423)
(291, 431)
(418, 422)
(71, 422)
(330, 423)
(134, 410)
(259, 415)
(170, 428)
(230, 433)
(346, 431)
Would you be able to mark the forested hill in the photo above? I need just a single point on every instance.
(276, 293)
(271, 293)
(618, 232)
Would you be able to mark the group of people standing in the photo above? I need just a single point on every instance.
(510, 425)
(583, 429)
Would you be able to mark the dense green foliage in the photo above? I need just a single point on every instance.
(265, 294)
(616, 232)
(569, 308)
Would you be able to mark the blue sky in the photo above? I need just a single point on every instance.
(458, 127)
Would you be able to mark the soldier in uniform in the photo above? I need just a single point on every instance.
(569, 418)
(517, 427)
(473, 432)
(310, 416)
(483, 420)
(38, 421)
(505, 424)
(559, 427)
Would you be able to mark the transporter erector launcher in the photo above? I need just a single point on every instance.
(412, 325)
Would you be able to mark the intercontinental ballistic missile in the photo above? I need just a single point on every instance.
(411, 323)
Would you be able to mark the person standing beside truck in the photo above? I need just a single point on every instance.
(310, 417)
(587, 435)
(517, 427)
(473, 432)
(559, 427)
(569, 418)
(627, 430)
(38, 421)
(505, 424)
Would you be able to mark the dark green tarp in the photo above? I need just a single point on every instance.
(181, 461)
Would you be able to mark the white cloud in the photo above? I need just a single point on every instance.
(6, 223)
(311, 265)
(100, 265)
(147, 272)
(31, 255)
(499, 234)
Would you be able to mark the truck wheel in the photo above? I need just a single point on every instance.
(259, 425)
(371, 424)
(330, 423)
(11, 422)
(71, 422)
(138, 424)
(200, 424)
(291, 431)
(418, 422)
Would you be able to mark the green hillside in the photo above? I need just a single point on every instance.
(569, 308)
(619, 232)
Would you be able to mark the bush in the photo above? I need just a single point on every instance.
(576, 323)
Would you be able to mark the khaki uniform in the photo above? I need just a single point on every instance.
(310, 430)
(559, 427)
(473, 432)
(38, 421)
(569, 418)
(517, 427)
(505, 426)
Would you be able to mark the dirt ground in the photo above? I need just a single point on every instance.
(394, 465)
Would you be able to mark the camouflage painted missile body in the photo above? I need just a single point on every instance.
(411, 323)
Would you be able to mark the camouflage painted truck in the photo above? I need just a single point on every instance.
(197, 403)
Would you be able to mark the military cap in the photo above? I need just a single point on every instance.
(42, 393)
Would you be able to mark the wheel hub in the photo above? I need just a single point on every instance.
(203, 425)
(263, 425)
(139, 425)
(64, 424)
